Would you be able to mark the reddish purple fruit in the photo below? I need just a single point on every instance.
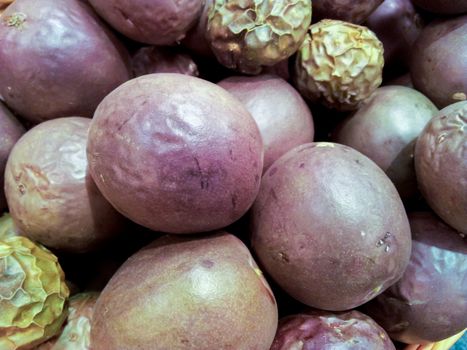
(443, 7)
(355, 11)
(176, 153)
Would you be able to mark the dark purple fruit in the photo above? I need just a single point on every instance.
(443, 7)
(355, 11)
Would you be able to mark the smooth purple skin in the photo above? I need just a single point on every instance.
(321, 330)
(61, 61)
(444, 7)
(176, 153)
(152, 59)
(439, 62)
(283, 117)
(429, 302)
(10, 130)
(355, 11)
(329, 226)
(51, 196)
(195, 39)
(156, 22)
(385, 129)
(441, 165)
(397, 24)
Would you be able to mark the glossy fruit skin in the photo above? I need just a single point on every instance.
(176, 153)
(440, 147)
(329, 227)
(429, 303)
(283, 118)
(354, 11)
(445, 7)
(10, 130)
(322, 330)
(246, 35)
(437, 72)
(156, 22)
(181, 293)
(51, 195)
(152, 59)
(41, 75)
(339, 64)
(33, 294)
(385, 129)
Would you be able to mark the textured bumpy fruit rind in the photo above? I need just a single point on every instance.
(33, 294)
(339, 64)
(246, 35)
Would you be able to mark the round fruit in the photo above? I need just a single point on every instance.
(57, 59)
(444, 7)
(33, 294)
(441, 165)
(438, 66)
(176, 153)
(51, 196)
(355, 11)
(7, 227)
(152, 59)
(246, 35)
(160, 22)
(339, 64)
(283, 118)
(195, 39)
(179, 293)
(330, 227)
(10, 130)
(429, 303)
(385, 129)
(321, 330)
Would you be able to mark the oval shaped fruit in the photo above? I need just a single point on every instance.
(438, 66)
(179, 293)
(176, 153)
(10, 130)
(7, 227)
(385, 129)
(248, 35)
(339, 64)
(441, 165)
(33, 294)
(321, 330)
(444, 7)
(329, 226)
(76, 334)
(42, 76)
(161, 22)
(429, 302)
(355, 11)
(152, 59)
(283, 118)
(51, 196)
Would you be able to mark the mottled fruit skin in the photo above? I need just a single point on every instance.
(441, 165)
(203, 293)
(156, 22)
(444, 7)
(355, 11)
(283, 118)
(33, 294)
(429, 302)
(439, 66)
(385, 129)
(329, 226)
(42, 76)
(50, 193)
(176, 153)
(10, 132)
(152, 59)
(247, 35)
(7, 227)
(397, 24)
(195, 40)
(321, 330)
(339, 64)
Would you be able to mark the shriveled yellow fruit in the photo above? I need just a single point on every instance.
(247, 35)
(33, 294)
(339, 64)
